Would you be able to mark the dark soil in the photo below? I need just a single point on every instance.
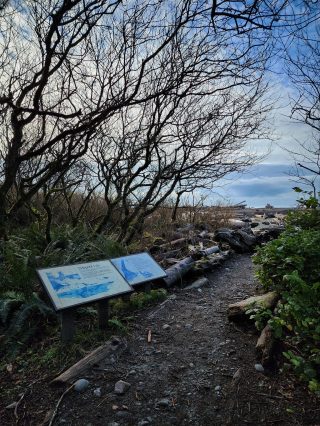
(186, 375)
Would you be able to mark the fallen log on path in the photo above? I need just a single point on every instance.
(112, 347)
(267, 300)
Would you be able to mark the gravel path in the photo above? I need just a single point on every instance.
(198, 368)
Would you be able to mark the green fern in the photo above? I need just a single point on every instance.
(23, 318)
(7, 306)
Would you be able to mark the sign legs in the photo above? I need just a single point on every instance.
(67, 325)
(103, 314)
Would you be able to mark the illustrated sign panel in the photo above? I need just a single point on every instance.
(78, 284)
(138, 268)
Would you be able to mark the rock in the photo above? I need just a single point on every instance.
(121, 387)
(81, 385)
(164, 402)
(188, 326)
(259, 368)
(143, 423)
(166, 326)
(97, 392)
(113, 424)
(217, 388)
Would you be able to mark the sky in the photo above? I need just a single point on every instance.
(270, 180)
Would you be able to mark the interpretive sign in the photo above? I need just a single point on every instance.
(138, 268)
(73, 285)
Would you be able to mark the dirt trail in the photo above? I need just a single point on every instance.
(186, 374)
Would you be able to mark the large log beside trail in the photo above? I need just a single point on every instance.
(267, 300)
(112, 347)
(177, 271)
(264, 346)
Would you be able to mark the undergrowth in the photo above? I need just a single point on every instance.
(24, 311)
(290, 265)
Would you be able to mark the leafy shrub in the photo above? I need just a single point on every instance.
(260, 315)
(291, 266)
(295, 250)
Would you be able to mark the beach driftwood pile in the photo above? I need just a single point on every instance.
(194, 252)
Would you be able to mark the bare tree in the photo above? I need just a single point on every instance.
(67, 66)
(187, 142)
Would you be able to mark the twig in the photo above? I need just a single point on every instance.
(269, 396)
(58, 403)
(17, 405)
(23, 395)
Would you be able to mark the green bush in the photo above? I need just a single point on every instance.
(291, 266)
(295, 250)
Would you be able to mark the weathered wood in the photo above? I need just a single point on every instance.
(103, 314)
(198, 283)
(110, 348)
(167, 254)
(264, 346)
(267, 300)
(67, 325)
(174, 243)
(210, 250)
(147, 287)
(176, 272)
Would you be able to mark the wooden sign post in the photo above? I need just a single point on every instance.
(67, 325)
(76, 285)
(103, 314)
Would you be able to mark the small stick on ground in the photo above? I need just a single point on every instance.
(58, 403)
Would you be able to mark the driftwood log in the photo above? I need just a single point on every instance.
(175, 243)
(264, 346)
(200, 282)
(112, 347)
(177, 271)
(267, 300)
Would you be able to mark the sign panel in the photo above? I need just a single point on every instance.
(138, 268)
(82, 283)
